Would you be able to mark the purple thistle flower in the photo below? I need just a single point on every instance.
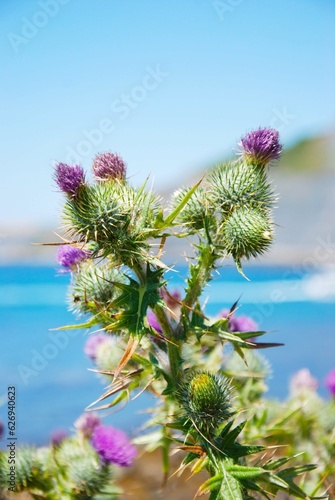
(86, 423)
(2, 429)
(239, 323)
(108, 166)
(58, 436)
(69, 178)
(330, 382)
(113, 445)
(153, 321)
(69, 256)
(92, 344)
(261, 146)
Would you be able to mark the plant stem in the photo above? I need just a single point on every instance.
(200, 275)
(172, 344)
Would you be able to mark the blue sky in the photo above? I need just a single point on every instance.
(169, 85)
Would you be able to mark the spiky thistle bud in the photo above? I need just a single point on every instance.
(240, 185)
(82, 471)
(205, 400)
(69, 178)
(113, 216)
(93, 287)
(108, 166)
(261, 146)
(198, 212)
(247, 233)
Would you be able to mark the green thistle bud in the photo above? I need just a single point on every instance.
(246, 233)
(114, 216)
(240, 185)
(196, 211)
(30, 471)
(93, 287)
(85, 475)
(205, 400)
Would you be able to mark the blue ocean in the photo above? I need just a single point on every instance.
(51, 372)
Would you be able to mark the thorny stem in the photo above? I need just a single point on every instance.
(173, 346)
(196, 283)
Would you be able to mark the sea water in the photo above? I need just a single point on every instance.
(51, 372)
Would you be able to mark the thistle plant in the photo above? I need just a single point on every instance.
(210, 402)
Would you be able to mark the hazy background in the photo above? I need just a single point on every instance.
(77, 80)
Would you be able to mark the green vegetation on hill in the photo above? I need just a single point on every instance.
(312, 154)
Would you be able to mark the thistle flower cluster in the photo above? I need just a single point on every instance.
(156, 339)
(233, 208)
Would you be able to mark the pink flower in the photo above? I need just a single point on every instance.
(330, 382)
(92, 344)
(58, 436)
(87, 422)
(303, 380)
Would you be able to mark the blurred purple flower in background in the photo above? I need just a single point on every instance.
(113, 445)
(87, 422)
(171, 299)
(69, 256)
(261, 146)
(153, 321)
(108, 166)
(2, 429)
(58, 436)
(92, 344)
(302, 380)
(330, 382)
(69, 178)
(239, 323)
